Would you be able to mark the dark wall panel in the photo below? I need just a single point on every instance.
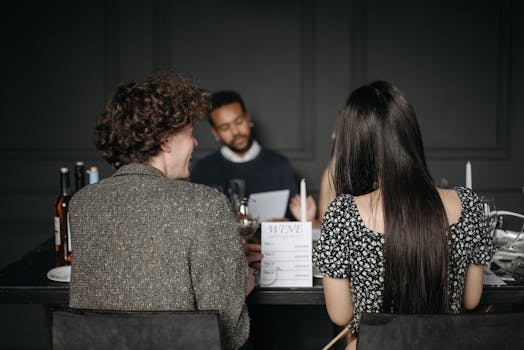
(452, 61)
(295, 62)
(457, 63)
(264, 52)
(53, 82)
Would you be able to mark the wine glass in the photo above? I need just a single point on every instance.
(490, 215)
(236, 192)
(490, 219)
(518, 242)
(509, 259)
(247, 224)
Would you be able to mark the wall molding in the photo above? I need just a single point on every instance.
(305, 118)
(71, 154)
(111, 46)
(305, 151)
(358, 49)
(502, 147)
(161, 34)
(110, 76)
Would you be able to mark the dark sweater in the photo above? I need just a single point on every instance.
(269, 171)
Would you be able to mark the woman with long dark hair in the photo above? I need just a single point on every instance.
(392, 241)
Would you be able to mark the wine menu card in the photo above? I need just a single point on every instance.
(286, 247)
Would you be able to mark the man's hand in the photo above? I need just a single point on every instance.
(253, 257)
(253, 254)
(311, 207)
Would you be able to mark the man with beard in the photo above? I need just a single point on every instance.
(241, 156)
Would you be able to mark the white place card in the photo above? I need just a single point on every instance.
(286, 247)
(269, 205)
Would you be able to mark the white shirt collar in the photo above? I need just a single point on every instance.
(251, 153)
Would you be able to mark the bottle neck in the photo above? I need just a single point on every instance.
(80, 177)
(65, 187)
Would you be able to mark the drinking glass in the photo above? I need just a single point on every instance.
(518, 243)
(490, 215)
(490, 219)
(247, 224)
(236, 193)
(509, 259)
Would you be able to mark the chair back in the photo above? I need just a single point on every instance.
(465, 331)
(94, 329)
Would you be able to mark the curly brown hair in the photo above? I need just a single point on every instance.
(141, 114)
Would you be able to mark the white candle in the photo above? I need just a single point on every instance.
(468, 175)
(303, 200)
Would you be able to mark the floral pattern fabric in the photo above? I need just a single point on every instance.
(348, 249)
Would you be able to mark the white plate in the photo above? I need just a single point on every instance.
(60, 274)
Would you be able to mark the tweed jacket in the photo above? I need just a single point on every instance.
(141, 241)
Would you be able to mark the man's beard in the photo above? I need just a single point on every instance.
(243, 149)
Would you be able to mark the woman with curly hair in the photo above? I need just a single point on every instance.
(143, 239)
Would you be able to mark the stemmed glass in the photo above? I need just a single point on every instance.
(490, 215)
(490, 218)
(247, 224)
(236, 192)
(510, 258)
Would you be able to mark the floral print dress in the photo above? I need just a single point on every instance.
(348, 249)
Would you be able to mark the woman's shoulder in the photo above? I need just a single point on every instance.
(471, 206)
(452, 203)
(470, 200)
(342, 205)
(341, 201)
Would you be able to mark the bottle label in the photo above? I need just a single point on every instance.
(68, 235)
(57, 230)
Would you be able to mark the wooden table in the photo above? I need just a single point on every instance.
(25, 282)
(295, 317)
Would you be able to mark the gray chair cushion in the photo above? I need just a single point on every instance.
(465, 331)
(90, 329)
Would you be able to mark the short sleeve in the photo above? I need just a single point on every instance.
(331, 253)
(482, 246)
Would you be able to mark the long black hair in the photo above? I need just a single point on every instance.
(378, 145)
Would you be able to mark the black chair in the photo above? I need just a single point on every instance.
(465, 331)
(93, 329)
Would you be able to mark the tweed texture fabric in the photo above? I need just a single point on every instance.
(143, 242)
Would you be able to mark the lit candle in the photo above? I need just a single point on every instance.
(303, 200)
(468, 175)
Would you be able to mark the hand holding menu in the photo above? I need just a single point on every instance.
(286, 247)
(269, 205)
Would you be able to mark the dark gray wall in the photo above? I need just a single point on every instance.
(295, 62)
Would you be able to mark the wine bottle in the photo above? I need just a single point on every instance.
(62, 236)
(80, 176)
(93, 175)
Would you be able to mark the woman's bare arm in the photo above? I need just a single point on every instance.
(473, 286)
(339, 302)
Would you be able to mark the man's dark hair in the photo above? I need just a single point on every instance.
(140, 114)
(225, 97)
